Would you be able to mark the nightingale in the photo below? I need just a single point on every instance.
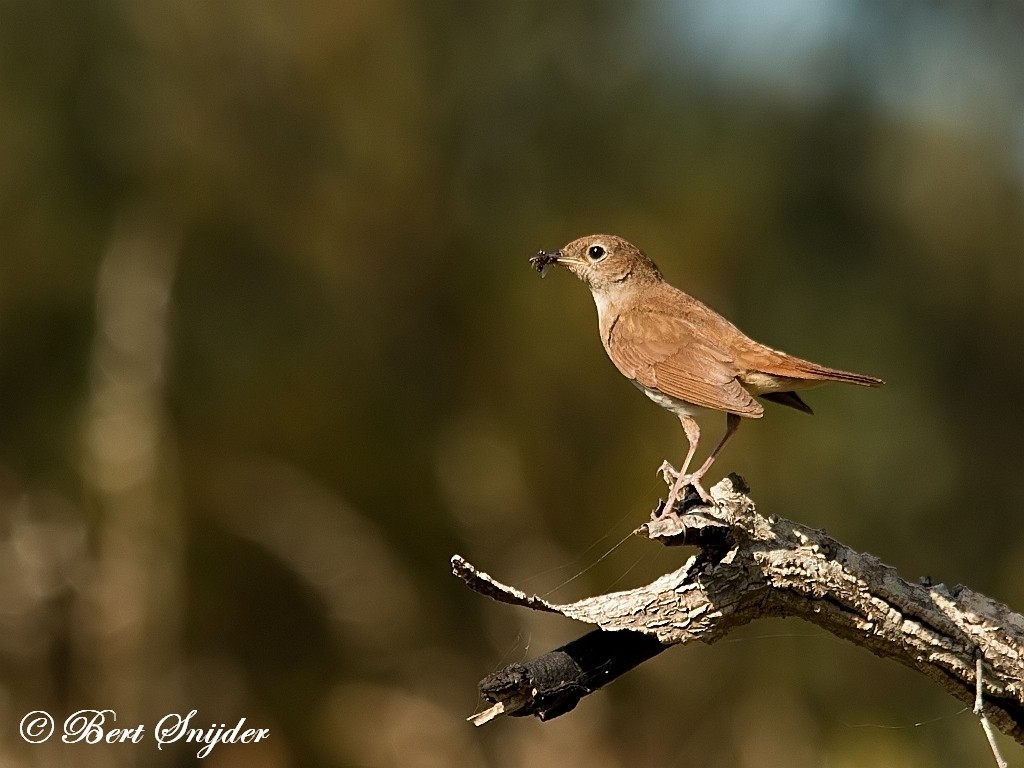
(681, 353)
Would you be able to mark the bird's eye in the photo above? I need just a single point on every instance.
(596, 252)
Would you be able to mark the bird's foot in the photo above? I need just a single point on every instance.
(683, 488)
(694, 482)
(668, 473)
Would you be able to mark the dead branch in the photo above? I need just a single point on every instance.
(751, 567)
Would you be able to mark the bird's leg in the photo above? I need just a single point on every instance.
(682, 479)
(668, 472)
(732, 423)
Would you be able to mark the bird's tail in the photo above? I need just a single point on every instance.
(796, 368)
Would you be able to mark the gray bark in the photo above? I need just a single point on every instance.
(750, 567)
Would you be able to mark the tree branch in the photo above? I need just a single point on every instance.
(751, 567)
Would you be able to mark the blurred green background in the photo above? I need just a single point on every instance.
(270, 353)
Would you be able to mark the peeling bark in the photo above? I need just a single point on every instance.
(751, 567)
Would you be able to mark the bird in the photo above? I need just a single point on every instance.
(682, 354)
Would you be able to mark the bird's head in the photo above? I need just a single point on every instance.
(603, 262)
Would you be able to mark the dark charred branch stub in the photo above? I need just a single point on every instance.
(748, 567)
(553, 684)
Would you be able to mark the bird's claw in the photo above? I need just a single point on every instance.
(704, 495)
(685, 490)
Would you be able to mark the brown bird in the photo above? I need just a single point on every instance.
(681, 353)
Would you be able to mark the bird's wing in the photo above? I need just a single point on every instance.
(661, 351)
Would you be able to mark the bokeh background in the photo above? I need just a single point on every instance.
(270, 353)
